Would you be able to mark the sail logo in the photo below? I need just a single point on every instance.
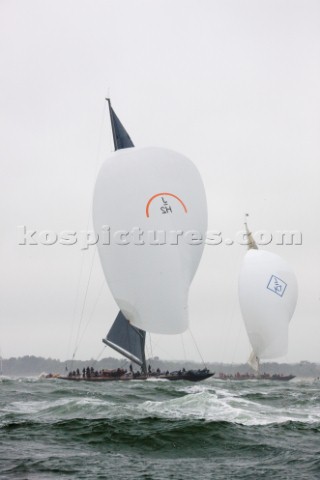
(276, 285)
(165, 206)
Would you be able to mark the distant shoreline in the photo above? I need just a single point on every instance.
(32, 365)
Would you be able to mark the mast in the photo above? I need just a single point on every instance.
(143, 354)
(254, 362)
(251, 242)
(126, 339)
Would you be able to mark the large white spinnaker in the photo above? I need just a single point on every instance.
(268, 295)
(151, 205)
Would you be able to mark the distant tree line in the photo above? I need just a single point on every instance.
(31, 365)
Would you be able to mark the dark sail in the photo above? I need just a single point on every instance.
(121, 137)
(127, 340)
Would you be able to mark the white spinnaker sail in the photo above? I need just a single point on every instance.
(268, 295)
(159, 191)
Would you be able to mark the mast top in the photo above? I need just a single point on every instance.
(251, 242)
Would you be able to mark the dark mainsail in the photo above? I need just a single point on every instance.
(129, 341)
(121, 138)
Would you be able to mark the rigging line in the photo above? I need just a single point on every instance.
(183, 348)
(92, 312)
(229, 324)
(158, 346)
(84, 304)
(99, 355)
(230, 318)
(88, 222)
(236, 344)
(124, 364)
(195, 343)
(75, 303)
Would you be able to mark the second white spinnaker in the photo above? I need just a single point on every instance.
(268, 295)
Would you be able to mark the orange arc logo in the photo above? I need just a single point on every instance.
(162, 194)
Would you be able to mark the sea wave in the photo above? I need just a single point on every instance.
(158, 430)
(207, 402)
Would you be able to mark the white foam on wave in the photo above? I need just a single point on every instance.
(208, 388)
(32, 407)
(84, 407)
(216, 407)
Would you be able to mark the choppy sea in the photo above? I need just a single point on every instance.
(158, 430)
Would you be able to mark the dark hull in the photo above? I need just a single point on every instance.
(103, 379)
(279, 378)
(190, 376)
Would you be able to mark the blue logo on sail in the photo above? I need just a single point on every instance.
(277, 285)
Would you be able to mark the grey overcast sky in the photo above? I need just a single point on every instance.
(232, 84)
